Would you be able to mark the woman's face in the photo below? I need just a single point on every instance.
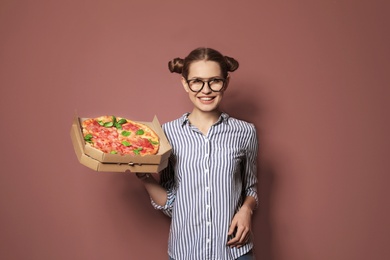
(205, 100)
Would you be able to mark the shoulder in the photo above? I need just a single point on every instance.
(240, 124)
(245, 130)
(175, 125)
(177, 121)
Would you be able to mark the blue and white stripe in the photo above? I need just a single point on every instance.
(207, 179)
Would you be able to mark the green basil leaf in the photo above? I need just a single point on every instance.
(101, 122)
(113, 120)
(152, 142)
(126, 143)
(140, 132)
(113, 152)
(108, 124)
(118, 126)
(122, 121)
(88, 137)
(126, 133)
(136, 151)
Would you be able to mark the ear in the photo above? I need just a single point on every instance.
(185, 84)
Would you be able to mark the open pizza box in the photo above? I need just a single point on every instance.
(104, 162)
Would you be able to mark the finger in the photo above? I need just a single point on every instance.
(236, 239)
(232, 227)
(244, 239)
(244, 235)
(233, 241)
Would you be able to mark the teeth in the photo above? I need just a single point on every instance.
(206, 98)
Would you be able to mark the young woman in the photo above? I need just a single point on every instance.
(209, 186)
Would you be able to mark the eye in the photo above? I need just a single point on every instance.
(216, 81)
(197, 81)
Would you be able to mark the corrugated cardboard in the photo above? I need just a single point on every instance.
(103, 162)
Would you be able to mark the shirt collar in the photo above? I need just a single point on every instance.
(223, 118)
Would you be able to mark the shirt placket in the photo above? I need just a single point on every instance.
(207, 195)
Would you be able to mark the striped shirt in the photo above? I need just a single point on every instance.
(207, 180)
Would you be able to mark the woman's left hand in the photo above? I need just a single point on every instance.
(241, 225)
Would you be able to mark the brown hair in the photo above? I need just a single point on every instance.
(181, 66)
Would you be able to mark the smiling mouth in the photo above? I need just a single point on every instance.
(206, 98)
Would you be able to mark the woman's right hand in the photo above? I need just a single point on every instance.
(142, 175)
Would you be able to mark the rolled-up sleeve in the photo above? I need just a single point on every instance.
(167, 181)
(250, 166)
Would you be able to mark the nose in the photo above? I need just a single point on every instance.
(206, 89)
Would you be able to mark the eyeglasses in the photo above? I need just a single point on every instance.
(215, 84)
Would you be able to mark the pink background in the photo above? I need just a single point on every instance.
(313, 79)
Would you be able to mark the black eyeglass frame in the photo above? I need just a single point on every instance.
(208, 83)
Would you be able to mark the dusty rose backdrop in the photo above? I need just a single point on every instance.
(313, 79)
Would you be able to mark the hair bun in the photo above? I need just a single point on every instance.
(176, 65)
(231, 63)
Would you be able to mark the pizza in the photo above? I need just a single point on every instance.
(117, 135)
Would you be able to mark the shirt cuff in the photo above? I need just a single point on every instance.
(254, 195)
(167, 208)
